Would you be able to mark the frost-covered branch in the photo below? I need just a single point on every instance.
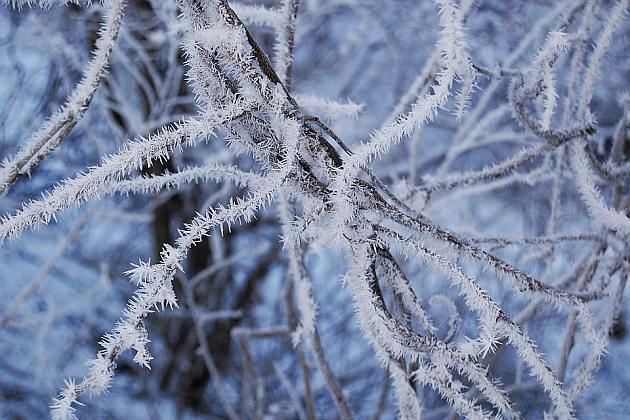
(45, 140)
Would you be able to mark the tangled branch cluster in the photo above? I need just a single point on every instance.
(330, 193)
